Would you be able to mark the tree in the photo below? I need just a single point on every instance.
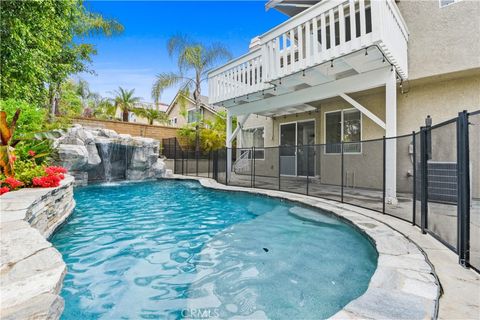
(212, 133)
(83, 91)
(69, 103)
(105, 109)
(42, 44)
(94, 99)
(125, 100)
(152, 115)
(194, 61)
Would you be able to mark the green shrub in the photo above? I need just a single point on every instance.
(31, 120)
(39, 150)
(26, 170)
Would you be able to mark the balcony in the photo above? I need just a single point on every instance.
(329, 41)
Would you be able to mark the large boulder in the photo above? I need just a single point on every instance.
(145, 153)
(93, 156)
(73, 157)
(69, 139)
(107, 133)
(158, 169)
(86, 136)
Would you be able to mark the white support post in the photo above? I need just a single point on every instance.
(229, 146)
(391, 144)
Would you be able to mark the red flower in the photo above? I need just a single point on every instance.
(13, 183)
(31, 153)
(54, 170)
(13, 158)
(52, 179)
(49, 181)
(4, 190)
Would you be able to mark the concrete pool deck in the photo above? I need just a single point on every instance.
(416, 277)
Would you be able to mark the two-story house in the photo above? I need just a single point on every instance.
(137, 117)
(182, 112)
(346, 71)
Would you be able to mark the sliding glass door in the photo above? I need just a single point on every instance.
(305, 149)
(297, 151)
(288, 150)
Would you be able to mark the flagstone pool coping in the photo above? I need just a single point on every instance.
(31, 269)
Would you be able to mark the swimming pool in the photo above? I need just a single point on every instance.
(174, 249)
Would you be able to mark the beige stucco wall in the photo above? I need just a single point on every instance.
(474, 133)
(175, 111)
(441, 40)
(142, 120)
(442, 99)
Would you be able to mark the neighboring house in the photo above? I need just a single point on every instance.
(345, 71)
(174, 111)
(132, 117)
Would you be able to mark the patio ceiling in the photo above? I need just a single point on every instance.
(290, 7)
(320, 82)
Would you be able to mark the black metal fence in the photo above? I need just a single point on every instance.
(169, 147)
(432, 182)
(187, 161)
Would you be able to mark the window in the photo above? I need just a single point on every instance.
(132, 117)
(444, 3)
(173, 122)
(333, 132)
(253, 138)
(346, 126)
(192, 115)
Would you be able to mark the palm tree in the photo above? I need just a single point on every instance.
(105, 109)
(151, 115)
(83, 91)
(94, 99)
(194, 61)
(125, 100)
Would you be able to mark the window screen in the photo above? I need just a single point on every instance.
(343, 126)
(254, 138)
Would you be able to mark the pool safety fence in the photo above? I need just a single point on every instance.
(432, 182)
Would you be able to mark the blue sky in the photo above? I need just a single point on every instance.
(132, 59)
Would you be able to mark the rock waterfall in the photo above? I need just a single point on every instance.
(97, 154)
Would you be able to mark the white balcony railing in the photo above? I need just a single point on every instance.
(326, 31)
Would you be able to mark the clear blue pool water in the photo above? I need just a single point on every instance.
(172, 250)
